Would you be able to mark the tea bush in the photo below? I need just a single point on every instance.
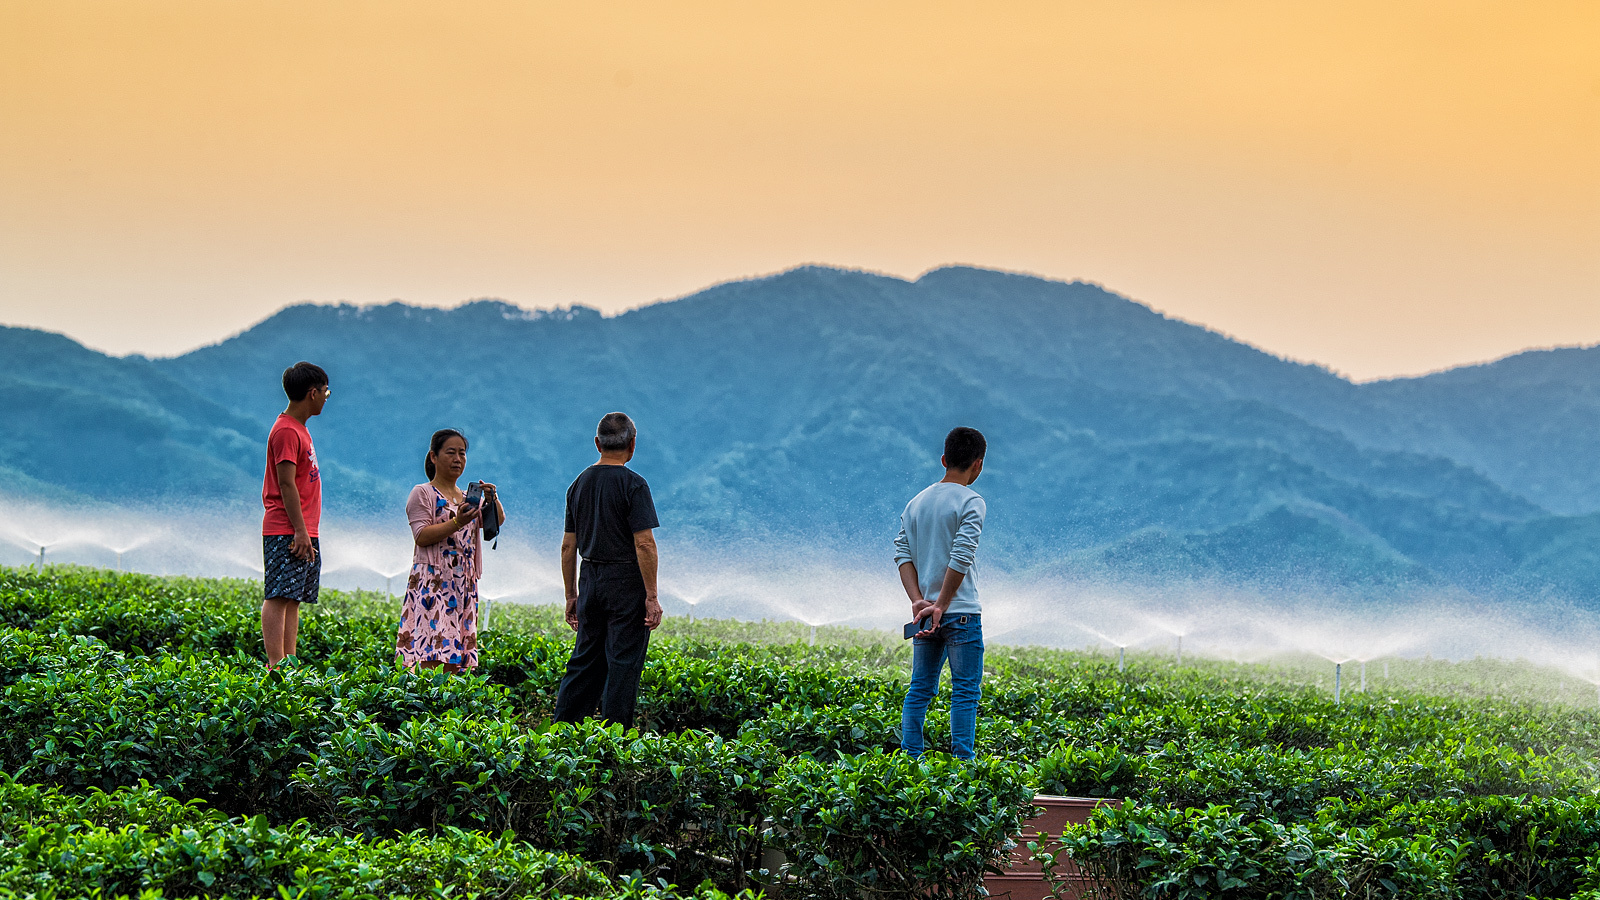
(143, 614)
(721, 694)
(1474, 848)
(671, 805)
(1214, 852)
(125, 700)
(884, 825)
(1509, 846)
(828, 732)
(138, 843)
(1285, 782)
(199, 727)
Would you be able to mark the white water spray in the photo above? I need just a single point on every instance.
(815, 588)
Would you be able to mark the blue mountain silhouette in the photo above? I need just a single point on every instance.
(808, 406)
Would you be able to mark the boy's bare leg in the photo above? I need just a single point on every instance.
(273, 612)
(291, 627)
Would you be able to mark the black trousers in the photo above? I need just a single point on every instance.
(609, 656)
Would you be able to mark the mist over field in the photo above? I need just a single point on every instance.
(762, 580)
(1147, 479)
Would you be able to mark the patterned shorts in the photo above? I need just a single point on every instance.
(288, 576)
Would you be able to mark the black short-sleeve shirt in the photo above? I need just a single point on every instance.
(605, 506)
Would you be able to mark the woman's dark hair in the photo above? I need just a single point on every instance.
(300, 378)
(437, 444)
(963, 446)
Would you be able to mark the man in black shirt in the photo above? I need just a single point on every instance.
(612, 604)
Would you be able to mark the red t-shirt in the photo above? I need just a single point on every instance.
(289, 441)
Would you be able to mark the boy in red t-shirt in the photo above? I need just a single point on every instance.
(291, 492)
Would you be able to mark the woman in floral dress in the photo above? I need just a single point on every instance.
(439, 617)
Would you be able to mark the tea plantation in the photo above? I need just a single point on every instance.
(146, 754)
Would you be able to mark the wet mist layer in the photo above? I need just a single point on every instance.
(781, 581)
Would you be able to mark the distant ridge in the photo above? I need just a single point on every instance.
(808, 405)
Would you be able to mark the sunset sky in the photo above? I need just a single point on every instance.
(1384, 188)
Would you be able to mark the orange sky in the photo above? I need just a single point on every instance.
(1381, 187)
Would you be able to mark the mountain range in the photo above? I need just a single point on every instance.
(806, 407)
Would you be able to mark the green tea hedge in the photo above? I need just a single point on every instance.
(137, 843)
(127, 700)
(685, 806)
(198, 727)
(885, 825)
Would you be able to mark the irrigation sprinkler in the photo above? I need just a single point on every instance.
(1122, 661)
(813, 635)
(1180, 649)
(484, 605)
(1363, 676)
(119, 560)
(41, 557)
(1336, 674)
(1386, 669)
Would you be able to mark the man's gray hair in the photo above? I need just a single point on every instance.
(616, 431)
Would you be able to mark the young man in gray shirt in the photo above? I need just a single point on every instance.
(936, 551)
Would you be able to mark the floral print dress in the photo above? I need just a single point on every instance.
(439, 617)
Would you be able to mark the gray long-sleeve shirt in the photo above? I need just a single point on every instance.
(940, 530)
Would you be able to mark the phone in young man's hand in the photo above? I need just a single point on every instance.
(915, 628)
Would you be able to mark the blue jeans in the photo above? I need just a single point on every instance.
(960, 640)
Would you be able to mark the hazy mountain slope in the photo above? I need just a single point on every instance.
(1531, 421)
(116, 428)
(812, 403)
(807, 407)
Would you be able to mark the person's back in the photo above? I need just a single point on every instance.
(606, 506)
(937, 550)
(941, 526)
(611, 602)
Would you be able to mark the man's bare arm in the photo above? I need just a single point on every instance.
(291, 506)
(569, 576)
(644, 543)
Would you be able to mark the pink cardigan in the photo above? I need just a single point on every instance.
(426, 506)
